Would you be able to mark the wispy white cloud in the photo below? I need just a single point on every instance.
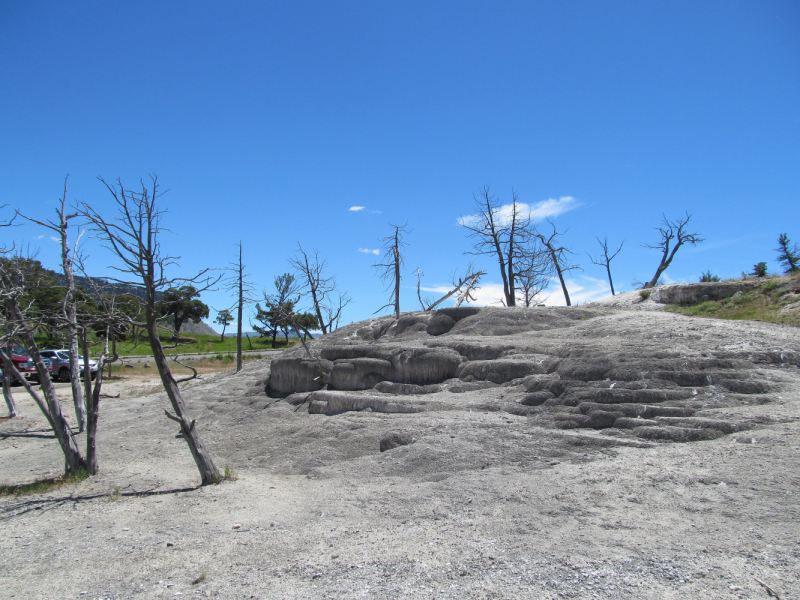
(581, 289)
(376, 212)
(54, 238)
(38, 237)
(552, 207)
(368, 251)
(356, 208)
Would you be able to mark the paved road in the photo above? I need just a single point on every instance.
(140, 359)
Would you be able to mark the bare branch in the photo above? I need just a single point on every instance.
(671, 232)
(321, 288)
(192, 369)
(390, 269)
(558, 256)
(606, 259)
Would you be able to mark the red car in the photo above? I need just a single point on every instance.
(22, 361)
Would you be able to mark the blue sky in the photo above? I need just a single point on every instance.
(268, 121)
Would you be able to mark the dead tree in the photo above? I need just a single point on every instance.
(69, 307)
(558, 257)
(673, 236)
(423, 302)
(12, 287)
(605, 259)
(7, 395)
(108, 319)
(392, 266)
(503, 232)
(133, 236)
(314, 282)
(462, 289)
(534, 273)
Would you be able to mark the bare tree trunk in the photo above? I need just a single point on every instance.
(610, 281)
(396, 280)
(470, 280)
(241, 305)
(91, 420)
(558, 257)
(69, 309)
(560, 274)
(390, 270)
(74, 370)
(93, 405)
(208, 471)
(87, 374)
(12, 407)
(671, 231)
(8, 367)
(317, 309)
(73, 461)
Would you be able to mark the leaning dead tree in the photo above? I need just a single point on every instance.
(7, 395)
(392, 266)
(673, 236)
(558, 257)
(504, 232)
(605, 259)
(69, 307)
(314, 281)
(133, 236)
(462, 289)
(19, 325)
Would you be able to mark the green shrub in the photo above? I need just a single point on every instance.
(644, 294)
(759, 270)
(707, 277)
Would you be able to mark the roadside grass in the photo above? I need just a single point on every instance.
(43, 485)
(763, 304)
(202, 343)
(190, 344)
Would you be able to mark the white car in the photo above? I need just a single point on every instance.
(59, 360)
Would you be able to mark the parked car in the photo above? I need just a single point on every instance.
(59, 360)
(24, 363)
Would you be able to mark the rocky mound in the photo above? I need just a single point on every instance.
(565, 368)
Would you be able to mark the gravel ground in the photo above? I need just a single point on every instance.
(484, 503)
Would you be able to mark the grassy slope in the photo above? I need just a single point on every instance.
(763, 304)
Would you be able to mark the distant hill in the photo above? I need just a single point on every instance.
(200, 328)
(105, 286)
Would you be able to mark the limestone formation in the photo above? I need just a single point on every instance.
(553, 364)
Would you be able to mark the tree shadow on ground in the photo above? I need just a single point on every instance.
(44, 504)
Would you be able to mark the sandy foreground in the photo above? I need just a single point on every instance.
(482, 505)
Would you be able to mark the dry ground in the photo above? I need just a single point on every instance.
(483, 505)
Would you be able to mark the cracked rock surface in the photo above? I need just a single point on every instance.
(493, 453)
